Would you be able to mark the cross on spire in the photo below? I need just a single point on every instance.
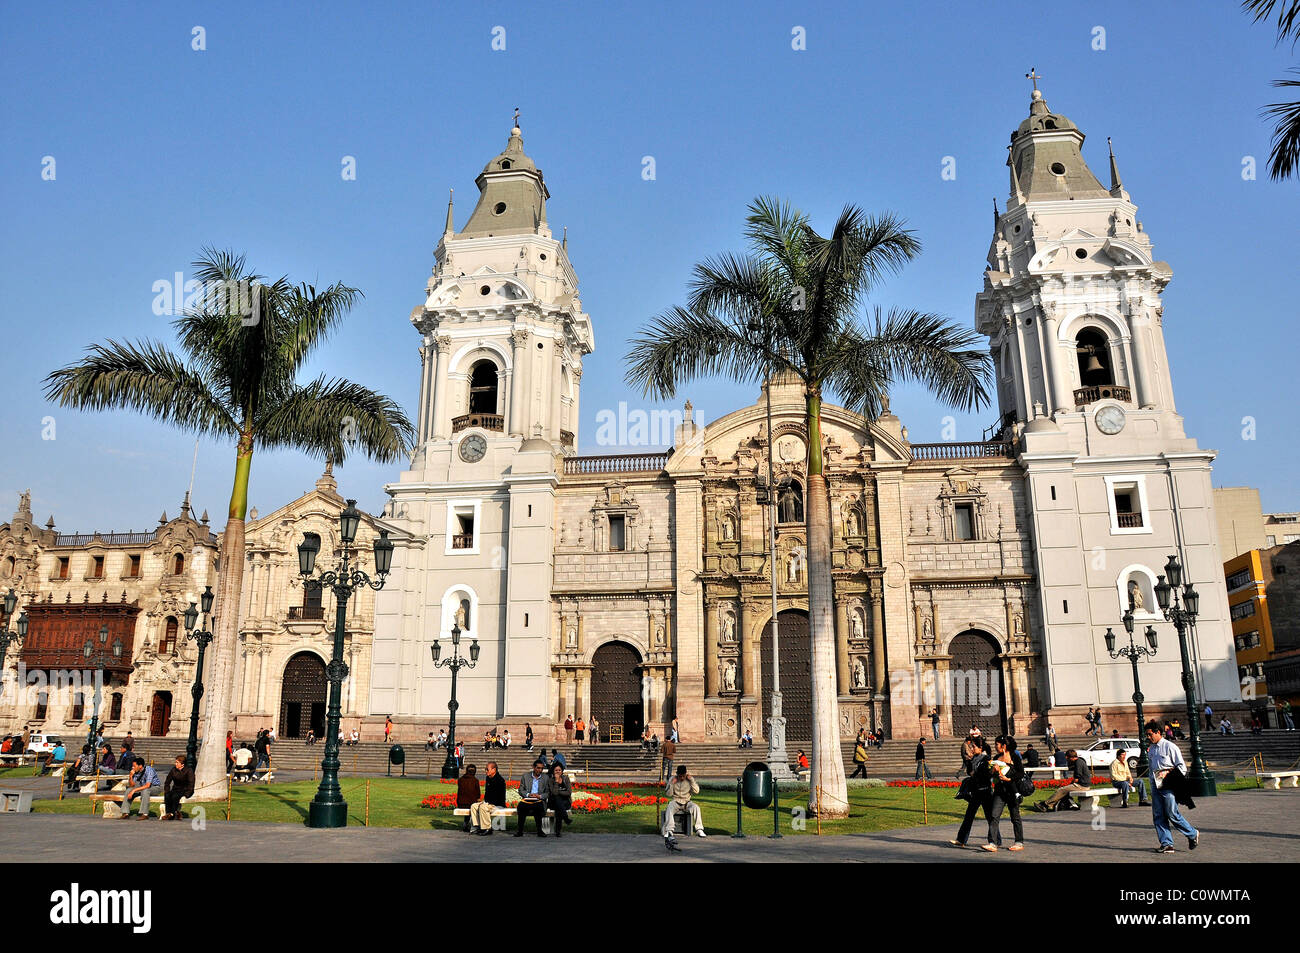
(516, 117)
(1034, 76)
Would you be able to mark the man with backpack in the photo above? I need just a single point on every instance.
(1080, 781)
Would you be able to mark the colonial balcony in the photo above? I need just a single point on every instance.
(1083, 396)
(1129, 520)
(493, 422)
(952, 450)
(462, 541)
(302, 613)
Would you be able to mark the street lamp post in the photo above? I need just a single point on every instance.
(1133, 652)
(328, 809)
(1183, 615)
(100, 655)
(7, 636)
(456, 662)
(203, 637)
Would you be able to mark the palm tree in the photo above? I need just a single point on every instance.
(240, 383)
(1284, 160)
(790, 308)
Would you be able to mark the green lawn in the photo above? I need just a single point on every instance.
(395, 802)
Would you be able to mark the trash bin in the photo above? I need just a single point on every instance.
(397, 755)
(756, 785)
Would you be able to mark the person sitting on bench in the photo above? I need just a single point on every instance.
(179, 784)
(55, 758)
(494, 795)
(1080, 780)
(143, 780)
(467, 794)
(107, 762)
(534, 792)
(243, 758)
(680, 789)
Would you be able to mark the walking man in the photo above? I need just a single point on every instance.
(920, 761)
(934, 722)
(1209, 717)
(670, 749)
(1164, 757)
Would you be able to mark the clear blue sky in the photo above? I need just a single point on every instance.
(161, 150)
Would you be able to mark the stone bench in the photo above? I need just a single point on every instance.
(244, 775)
(505, 812)
(1091, 798)
(17, 759)
(17, 802)
(89, 783)
(116, 799)
(1274, 778)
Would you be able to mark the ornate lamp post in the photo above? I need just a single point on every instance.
(1183, 616)
(328, 809)
(455, 663)
(1133, 652)
(100, 655)
(204, 638)
(7, 636)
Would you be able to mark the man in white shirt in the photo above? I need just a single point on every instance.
(680, 789)
(1164, 756)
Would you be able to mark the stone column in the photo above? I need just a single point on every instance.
(425, 374)
(844, 679)
(557, 378)
(878, 644)
(941, 669)
(711, 685)
(583, 701)
(519, 342)
(1140, 369)
(751, 663)
(263, 653)
(438, 427)
(1061, 398)
(1008, 691)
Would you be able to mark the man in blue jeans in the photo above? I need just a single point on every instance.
(1164, 756)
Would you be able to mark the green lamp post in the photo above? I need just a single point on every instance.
(204, 638)
(99, 655)
(328, 809)
(1133, 652)
(449, 768)
(1183, 615)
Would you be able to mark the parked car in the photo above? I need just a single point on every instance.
(1101, 753)
(43, 743)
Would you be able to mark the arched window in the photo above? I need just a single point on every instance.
(168, 641)
(1094, 359)
(178, 564)
(483, 388)
(789, 501)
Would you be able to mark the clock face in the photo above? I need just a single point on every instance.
(472, 448)
(1110, 420)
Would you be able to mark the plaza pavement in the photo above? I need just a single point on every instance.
(1238, 827)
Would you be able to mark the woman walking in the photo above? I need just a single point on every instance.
(860, 757)
(978, 792)
(561, 801)
(1006, 770)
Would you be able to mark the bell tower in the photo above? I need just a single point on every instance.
(1072, 309)
(502, 338)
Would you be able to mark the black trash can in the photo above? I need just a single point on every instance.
(756, 785)
(397, 755)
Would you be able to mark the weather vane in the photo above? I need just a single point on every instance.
(1032, 75)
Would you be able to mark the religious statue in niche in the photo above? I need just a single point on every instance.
(927, 630)
(729, 676)
(571, 637)
(859, 673)
(1019, 626)
(462, 615)
(659, 636)
(855, 527)
(728, 527)
(857, 626)
(1136, 601)
(792, 567)
(789, 502)
(728, 627)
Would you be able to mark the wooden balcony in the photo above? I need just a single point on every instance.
(493, 422)
(301, 613)
(1083, 396)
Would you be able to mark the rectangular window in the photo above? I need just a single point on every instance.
(964, 521)
(1252, 640)
(42, 705)
(1272, 541)
(1128, 507)
(1053, 491)
(1290, 537)
(463, 538)
(617, 530)
(78, 706)
(133, 569)
(63, 567)
(97, 567)
(1238, 579)
(1065, 606)
(1242, 610)
(115, 710)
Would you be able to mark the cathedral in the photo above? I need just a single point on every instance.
(976, 580)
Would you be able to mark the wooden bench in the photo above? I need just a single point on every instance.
(1274, 778)
(17, 802)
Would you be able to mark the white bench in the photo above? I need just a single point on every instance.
(90, 782)
(1055, 772)
(504, 812)
(1274, 778)
(1092, 797)
(116, 799)
(244, 775)
(18, 759)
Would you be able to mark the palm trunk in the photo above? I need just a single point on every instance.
(828, 794)
(210, 775)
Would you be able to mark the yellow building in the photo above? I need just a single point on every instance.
(1251, 630)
